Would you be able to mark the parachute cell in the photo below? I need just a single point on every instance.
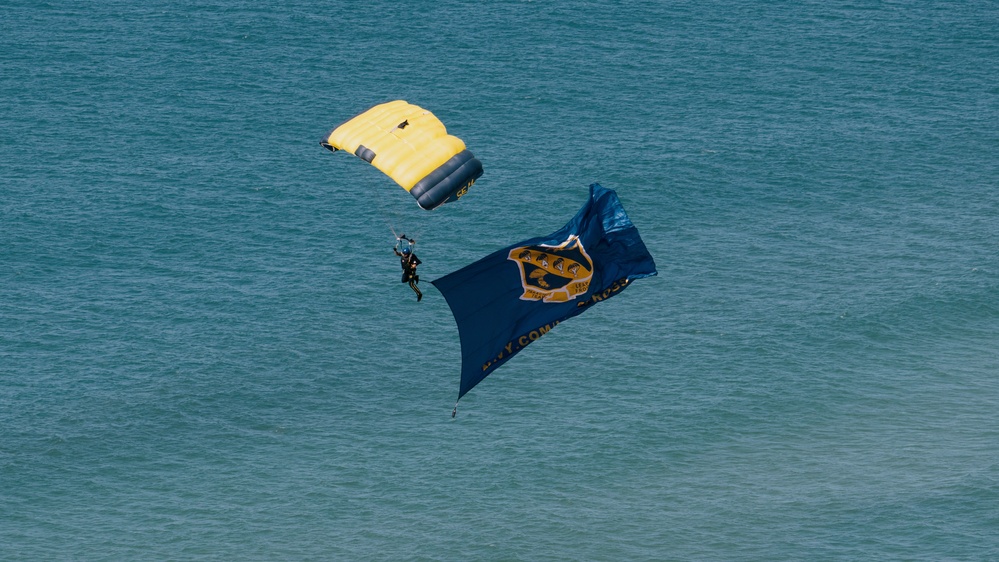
(411, 146)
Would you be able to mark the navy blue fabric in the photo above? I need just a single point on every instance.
(448, 182)
(513, 296)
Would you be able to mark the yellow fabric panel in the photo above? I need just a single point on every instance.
(355, 132)
(407, 171)
(406, 155)
(368, 128)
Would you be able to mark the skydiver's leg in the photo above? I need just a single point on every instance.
(419, 295)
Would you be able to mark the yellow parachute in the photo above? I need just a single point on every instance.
(411, 146)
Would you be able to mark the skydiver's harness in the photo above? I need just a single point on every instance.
(409, 263)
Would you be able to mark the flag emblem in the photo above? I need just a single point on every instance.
(556, 273)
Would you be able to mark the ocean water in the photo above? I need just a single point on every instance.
(205, 352)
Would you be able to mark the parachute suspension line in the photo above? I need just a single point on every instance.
(387, 217)
(394, 233)
(393, 217)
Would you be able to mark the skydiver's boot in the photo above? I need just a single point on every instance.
(419, 295)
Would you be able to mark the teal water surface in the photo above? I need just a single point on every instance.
(205, 352)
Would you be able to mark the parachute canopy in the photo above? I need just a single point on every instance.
(411, 146)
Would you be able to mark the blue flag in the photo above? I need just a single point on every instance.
(512, 297)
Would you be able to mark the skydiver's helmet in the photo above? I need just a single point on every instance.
(405, 251)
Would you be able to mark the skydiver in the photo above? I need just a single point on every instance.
(409, 262)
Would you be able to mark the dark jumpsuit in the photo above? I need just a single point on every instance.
(409, 263)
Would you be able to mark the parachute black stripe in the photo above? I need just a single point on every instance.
(365, 153)
(443, 184)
